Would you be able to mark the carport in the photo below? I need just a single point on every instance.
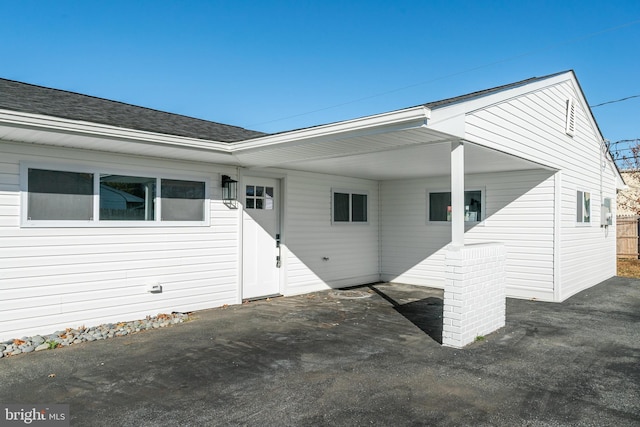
(402, 145)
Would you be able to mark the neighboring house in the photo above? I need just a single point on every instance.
(628, 199)
(386, 197)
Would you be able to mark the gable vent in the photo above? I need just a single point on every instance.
(570, 125)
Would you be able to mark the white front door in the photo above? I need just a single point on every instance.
(260, 237)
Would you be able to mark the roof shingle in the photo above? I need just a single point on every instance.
(28, 98)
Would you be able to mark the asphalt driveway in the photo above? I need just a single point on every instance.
(365, 356)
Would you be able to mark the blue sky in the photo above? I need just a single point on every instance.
(280, 65)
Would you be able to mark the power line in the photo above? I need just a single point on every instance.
(623, 141)
(548, 47)
(612, 102)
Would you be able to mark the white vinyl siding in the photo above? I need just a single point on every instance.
(64, 277)
(519, 212)
(321, 255)
(533, 127)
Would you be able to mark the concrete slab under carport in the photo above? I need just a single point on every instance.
(363, 356)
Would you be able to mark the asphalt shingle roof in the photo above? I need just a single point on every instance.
(448, 101)
(28, 98)
(35, 99)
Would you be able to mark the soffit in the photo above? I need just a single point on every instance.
(398, 151)
(411, 153)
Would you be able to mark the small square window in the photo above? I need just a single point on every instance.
(259, 197)
(349, 207)
(583, 207)
(182, 200)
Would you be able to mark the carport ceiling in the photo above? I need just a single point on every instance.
(413, 162)
(407, 154)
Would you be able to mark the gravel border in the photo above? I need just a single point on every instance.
(82, 334)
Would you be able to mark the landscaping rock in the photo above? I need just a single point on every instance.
(79, 335)
(43, 346)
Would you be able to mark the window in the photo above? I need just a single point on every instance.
(440, 206)
(182, 200)
(127, 198)
(583, 207)
(259, 197)
(63, 197)
(605, 212)
(60, 195)
(349, 206)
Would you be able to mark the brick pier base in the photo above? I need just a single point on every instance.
(474, 293)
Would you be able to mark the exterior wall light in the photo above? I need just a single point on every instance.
(229, 191)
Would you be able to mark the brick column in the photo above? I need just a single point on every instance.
(474, 293)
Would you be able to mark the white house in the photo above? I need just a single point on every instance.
(396, 196)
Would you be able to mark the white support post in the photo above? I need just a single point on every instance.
(457, 193)
(474, 289)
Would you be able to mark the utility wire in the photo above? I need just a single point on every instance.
(612, 102)
(548, 47)
(623, 141)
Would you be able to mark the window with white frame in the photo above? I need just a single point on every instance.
(68, 197)
(126, 198)
(59, 195)
(349, 206)
(583, 207)
(605, 212)
(440, 206)
(182, 200)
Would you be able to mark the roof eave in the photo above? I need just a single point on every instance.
(414, 116)
(48, 123)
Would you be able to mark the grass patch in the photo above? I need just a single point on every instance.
(629, 268)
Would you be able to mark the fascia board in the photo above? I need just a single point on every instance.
(393, 120)
(55, 124)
